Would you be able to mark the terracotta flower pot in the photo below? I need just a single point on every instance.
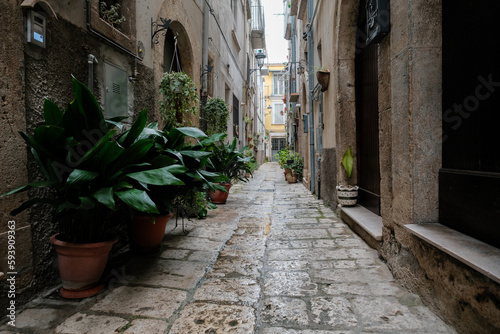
(81, 266)
(292, 177)
(220, 197)
(286, 172)
(146, 235)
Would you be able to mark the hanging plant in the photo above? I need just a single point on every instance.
(216, 113)
(180, 98)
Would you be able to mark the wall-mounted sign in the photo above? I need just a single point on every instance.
(378, 22)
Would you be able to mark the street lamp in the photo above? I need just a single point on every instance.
(260, 56)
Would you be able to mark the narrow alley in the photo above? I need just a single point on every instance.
(273, 260)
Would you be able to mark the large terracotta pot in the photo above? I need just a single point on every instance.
(81, 266)
(147, 232)
(220, 197)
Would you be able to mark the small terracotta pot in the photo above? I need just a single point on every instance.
(220, 197)
(287, 171)
(147, 234)
(81, 266)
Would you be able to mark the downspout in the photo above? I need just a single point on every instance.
(204, 65)
(293, 83)
(91, 59)
(310, 54)
(116, 45)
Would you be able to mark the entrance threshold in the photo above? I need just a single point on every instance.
(364, 223)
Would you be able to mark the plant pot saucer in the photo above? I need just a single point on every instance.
(70, 294)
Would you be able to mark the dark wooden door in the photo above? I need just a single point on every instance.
(368, 167)
(469, 182)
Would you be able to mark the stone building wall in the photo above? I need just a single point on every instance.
(410, 111)
(13, 155)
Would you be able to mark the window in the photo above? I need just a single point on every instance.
(278, 84)
(278, 113)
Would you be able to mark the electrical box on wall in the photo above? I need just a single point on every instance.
(116, 97)
(36, 24)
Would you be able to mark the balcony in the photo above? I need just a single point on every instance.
(258, 28)
(287, 21)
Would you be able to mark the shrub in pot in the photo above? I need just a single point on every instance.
(295, 165)
(186, 150)
(230, 162)
(86, 172)
(347, 195)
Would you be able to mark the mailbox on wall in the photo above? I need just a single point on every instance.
(36, 26)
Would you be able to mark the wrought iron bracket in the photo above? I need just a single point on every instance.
(157, 28)
(206, 70)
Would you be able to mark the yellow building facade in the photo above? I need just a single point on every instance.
(275, 110)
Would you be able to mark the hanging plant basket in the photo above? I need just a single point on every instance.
(323, 78)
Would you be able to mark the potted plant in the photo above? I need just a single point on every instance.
(282, 157)
(86, 172)
(347, 195)
(296, 167)
(216, 115)
(323, 77)
(180, 98)
(230, 162)
(186, 161)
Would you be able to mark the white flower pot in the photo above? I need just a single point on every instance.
(347, 195)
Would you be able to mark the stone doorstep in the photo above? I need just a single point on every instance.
(364, 223)
(474, 253)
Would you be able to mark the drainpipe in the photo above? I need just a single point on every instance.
(91, 59)
(310, 49)
(204, 65)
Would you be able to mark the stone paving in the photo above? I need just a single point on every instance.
(273, 260)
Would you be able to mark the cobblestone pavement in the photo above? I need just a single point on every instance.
(273, 260)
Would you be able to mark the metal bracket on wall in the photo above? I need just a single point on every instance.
(158, 27)
(315, 92)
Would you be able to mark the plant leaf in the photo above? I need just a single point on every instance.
(347, 161)
(158, 177)
(80, 176)
(138, 200)
(51, 113)
(105, 196)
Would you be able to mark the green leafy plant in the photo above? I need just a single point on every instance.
(347, 162)
(180, 99)
(111, 14)
(295, 163)
(216, 113)
(190, 148)
(282, 156)
(230, 161)
(320, 69)
(88, 170)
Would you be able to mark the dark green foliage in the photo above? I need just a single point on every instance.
(216, 113)
(88, 168)
(230, 161)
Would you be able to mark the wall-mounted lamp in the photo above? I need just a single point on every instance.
(300, 68)
(260, 56)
